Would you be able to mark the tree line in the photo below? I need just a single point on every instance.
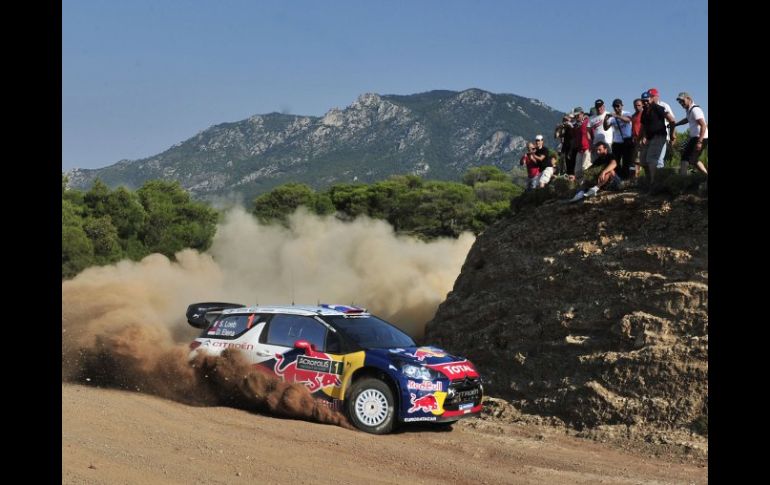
(423, 208)
(102, 226)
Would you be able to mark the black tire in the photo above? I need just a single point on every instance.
(371, 407)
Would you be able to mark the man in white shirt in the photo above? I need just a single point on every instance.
(622, 139)
(596, 125)
(699, 133)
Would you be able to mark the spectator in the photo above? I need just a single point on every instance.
(622, 141)
(636, 132)
(699, 133)
(599, 130)
(563, 133)
(544, 160)
(601, 174)
(533, 170)
(654, 134)
(655, 98)
(581, 136)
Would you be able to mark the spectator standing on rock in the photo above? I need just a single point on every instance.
(622, 141)
(601, 174)
(599, 130)
(533, 170)
(654, 134)
(563, 133)
(699, 133)
(636, 133)
(581, 136)
(655, 98)
(543, 162)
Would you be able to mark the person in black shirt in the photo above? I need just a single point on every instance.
(654, 119)
(544, 162)
(601, 174)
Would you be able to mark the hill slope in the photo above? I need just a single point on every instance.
(438, 134)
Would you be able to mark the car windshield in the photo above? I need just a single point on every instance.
(370, 332)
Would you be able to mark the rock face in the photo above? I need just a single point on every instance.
(594, 313)
(438, 134)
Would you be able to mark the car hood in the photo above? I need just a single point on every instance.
(452, 366)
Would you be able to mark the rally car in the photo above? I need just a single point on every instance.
(352, 360)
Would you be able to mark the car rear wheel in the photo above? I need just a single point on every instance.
(371, 407)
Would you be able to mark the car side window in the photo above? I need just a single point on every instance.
(284, 330)
(231, 326)
(333, 345)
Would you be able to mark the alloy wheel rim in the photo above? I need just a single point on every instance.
(371, 407)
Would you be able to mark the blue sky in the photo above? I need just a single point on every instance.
(140, 76)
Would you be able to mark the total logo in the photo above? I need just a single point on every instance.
(456, 370)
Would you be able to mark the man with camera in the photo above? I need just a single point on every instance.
(622, 139)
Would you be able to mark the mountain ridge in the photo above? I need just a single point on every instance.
(437, 134)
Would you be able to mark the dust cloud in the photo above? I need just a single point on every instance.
(401, 279)
(123, 325)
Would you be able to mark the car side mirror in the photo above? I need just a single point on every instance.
(304, 344)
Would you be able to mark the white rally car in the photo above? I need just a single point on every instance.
(354, 361)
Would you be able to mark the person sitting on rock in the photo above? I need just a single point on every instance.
(601, 174)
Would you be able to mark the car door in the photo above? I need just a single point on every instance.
(308, 364)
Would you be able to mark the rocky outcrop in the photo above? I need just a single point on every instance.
(594, 313)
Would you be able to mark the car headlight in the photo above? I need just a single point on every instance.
(417, 372)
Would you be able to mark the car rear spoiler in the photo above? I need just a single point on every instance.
(200, 315)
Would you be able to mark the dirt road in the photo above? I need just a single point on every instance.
(115, 437)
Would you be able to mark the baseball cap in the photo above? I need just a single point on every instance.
(645, 95)
(653, 92)
(577, 110)
(598, 103)
(539, 137)
(683, 95)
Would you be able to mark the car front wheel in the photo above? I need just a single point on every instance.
(371, 407)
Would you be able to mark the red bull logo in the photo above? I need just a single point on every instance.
(423, 352)
(456, 370)
(425, 404)
(315, 370)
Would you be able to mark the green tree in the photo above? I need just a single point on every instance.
(495, 191)
(483, 173)
(96, 199)
(104, 238)
(442, 209)
(282, 201)
(77, 250)
(173, 221)
(126, 211)
(350, 199)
